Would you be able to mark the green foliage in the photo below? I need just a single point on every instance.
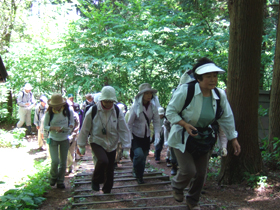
(271, 156)
(28, 195)
(255, 180)
(262, 111)
(214, 167)
(13, 138)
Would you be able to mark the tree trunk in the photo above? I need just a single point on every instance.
(246, 18)
(274, 110)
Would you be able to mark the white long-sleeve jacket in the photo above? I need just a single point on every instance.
(192, 113)
(116, 129)
(138, 124)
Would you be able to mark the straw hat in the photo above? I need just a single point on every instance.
(145, 87)
(108, 93)
(56, 100)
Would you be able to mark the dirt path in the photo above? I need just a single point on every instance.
(213, 197)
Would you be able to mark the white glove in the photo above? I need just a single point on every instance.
(125, 153)
(156, 141)
(224, 152)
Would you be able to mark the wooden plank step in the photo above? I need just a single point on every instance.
(124, 200)
(127, 186)
(123, 193)
(122, 176)
(128, 179)
(115, 172)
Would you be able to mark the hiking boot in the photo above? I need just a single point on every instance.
(95, 186)
(140, 180)
(193, 207)
(174, 169)
(178, 195)
(60, 186)
(157, 161)
(52, 182)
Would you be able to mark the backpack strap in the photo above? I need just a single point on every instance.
(93, 111)
(117, 110)
(190, 95)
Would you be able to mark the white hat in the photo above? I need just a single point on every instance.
(161, 111)
(208, 68)
(27, 86)
(145, 87)
(108, 93)
(44, 99)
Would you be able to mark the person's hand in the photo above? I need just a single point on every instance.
(38, 127)
(81, 151)
(189, 128)
(236, 147)
(56, 128)
(71, 126)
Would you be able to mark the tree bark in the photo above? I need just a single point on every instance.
(246, 20)
(274, 110)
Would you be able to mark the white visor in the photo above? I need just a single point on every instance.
(208, 68)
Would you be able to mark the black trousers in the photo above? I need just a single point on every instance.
(104, 168)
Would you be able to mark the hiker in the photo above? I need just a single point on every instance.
(191, 135)
(58, 123)
(71, 97)
(26, 102)
(40, 111)
(159, 146)
(72, 141)
(119, 151)
(89, 101)
(106, 125)
(143, 110)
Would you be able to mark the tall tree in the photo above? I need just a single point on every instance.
(274, 110)
(246, 20)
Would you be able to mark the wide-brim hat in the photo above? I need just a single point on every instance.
(108, 93)
(27, 86)
(208, 68)
(57, 100)
(145, 87)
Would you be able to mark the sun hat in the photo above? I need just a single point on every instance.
(145, 87)
(108, 93)
(44, 99)
(208, 68)
(56, 100)
(27, 86)
(70, 95)
(161, 111)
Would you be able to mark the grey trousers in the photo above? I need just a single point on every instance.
(58, 152)
(191, 172)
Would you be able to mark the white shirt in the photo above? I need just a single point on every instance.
(192, 113)
(138, 125)
(116, 129)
